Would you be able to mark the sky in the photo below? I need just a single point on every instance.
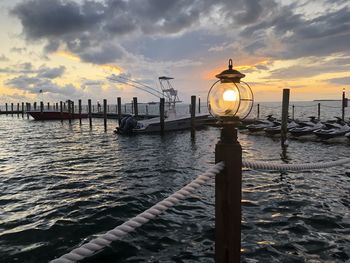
(69, 48)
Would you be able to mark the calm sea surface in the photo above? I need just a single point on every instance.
(62, 185)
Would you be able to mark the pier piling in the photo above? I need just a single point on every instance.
(193, 115)
(136, 109)
(61, 110)
(89, 112)
(105, 114)
(70, 111)
(12, 109)
(41, 107)
(6, 108)
(34, 105)
(161, 114)
(258, 111)
(22, 111)
(285, 106)
(79, 110)
(319, 111)
(119, 109)
(199, 105)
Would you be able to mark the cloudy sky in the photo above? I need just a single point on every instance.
(68, 48)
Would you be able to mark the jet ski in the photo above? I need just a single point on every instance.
(333, 129)
(277, 128)
(347, 135)
(306, 127)
(260, 125)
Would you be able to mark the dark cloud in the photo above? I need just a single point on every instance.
(21, 68)
(51, 73)
(340, 81)
(18, 50)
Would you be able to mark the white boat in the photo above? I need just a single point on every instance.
(172, 120)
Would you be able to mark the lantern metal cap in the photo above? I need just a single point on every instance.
(230, 74)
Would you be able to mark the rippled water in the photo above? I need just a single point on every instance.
(61, 185)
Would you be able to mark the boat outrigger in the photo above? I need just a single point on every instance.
(172, 121)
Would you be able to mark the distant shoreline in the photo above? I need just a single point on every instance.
(327, 100)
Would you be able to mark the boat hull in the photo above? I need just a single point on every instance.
(55, 115)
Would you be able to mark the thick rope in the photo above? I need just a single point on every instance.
(120, 231)
(292, 167)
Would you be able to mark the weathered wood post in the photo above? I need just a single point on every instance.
(193, 115)
(56, 106)
(285, 106)
(6, 108)
(293, 112)
(34, 105)
(319, 111)
(199, 105)
(136, 108)
(258, 111)
(79, 110)
(119, 111)
(48, 106)
(70, 111)
(146, 111)
(228, 196)
(64, 106)
(105, 114)
(162, 115)
(89, 112)
(125, 108)
(41, 107)
(61, 110)
(17, 109)
(22, 110)
(344, 105)
(72, 108)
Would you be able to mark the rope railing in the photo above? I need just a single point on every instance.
(120, 231)
(259, 165)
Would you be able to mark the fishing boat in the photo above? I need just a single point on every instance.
(333, 129)
(55, 115)
(172, 120)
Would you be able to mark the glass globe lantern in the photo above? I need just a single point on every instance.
(229, 97)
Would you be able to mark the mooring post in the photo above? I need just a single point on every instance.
(6, 108)
(70, 111)
(17, 109)
(319, 111)
(119, 111)
(34, 105)
(11, 108)
(61, 110)
(146, 110)
(89, 112)
(285, 106)
(64, 106)
(56, 106)
(72, 108)
(293, 112)
(193, 115)
(258, 111)
(22, 109)
(136, 108)
(79, 109)
(162, 115)
(228, 196)
(125, 108)
(41, 107)
(48, 106)
(199, 104)
(105, 114)
(343, 106)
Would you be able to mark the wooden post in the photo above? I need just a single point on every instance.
(293, 112)
(105, 114)
(11, 108)
(79, 109)
(17, 109)
(161, 114)
(41, 107)
(199, 105)
(48, 106)
(258, 111)
(70, 111)
(6, 108)
(319, 111)
(146, 110)
(285, 106)
(228, 196)
(89, 112)
(28, 109)
(56, 106)
(136, 108)
(64, 106)
(72, 108)
(34, 105)
(343, 106)
(61, 110)
(22, 109)
(119, 110)
(125, 108)
(193, 115)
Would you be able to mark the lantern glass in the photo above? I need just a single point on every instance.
(229, 99)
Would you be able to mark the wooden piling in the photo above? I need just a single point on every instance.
(343, 106)
(319, 111)
(89, 112)
(285, 106)
(105, 114)
(61, 110)
(70, 111)
(72, 107)
(6, 108)
(162, 115)
(79, 109)
(293, 112)
(258, 111)
(199, 105)
(147, 111)
(41, 107)
(136, 109)
(228, 196)
(48, 106)
(193, 115)
(119, 109)
(22, 109)
(34, 105)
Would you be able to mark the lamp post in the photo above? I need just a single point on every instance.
(229, 100)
